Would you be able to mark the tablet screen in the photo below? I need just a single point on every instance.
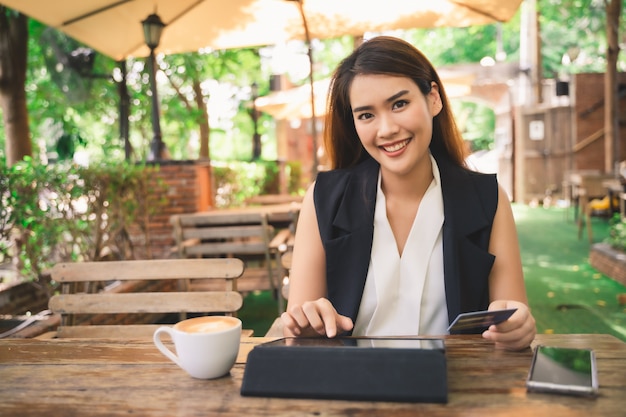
(361, 342)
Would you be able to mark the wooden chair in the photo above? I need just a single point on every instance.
(591, 187)
(243, 235)
(156, 300)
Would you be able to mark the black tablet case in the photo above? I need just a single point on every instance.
(346, 373)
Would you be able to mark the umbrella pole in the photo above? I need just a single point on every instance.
(310, 55)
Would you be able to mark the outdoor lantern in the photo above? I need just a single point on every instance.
(152, 29)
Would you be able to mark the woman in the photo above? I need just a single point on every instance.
(399, 237)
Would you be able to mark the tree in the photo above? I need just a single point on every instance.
(188, 74)
(13, 58)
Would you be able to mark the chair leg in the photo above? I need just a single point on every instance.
(281, 274)
(580, 221)
(589, 230)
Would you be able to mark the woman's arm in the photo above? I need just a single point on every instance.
(309, 313)
(506, 281)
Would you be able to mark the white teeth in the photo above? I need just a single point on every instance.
(396, 147)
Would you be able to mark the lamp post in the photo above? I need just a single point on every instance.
(256, 138)
(152, 29)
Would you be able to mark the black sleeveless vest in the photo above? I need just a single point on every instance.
(344, 203)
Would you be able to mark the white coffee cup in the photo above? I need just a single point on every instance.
(206, 347)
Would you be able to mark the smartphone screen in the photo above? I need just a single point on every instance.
(563, 370)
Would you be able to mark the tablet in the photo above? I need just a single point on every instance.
(400, 369)
(360, 342)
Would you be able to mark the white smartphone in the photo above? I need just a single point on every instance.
(563, 370)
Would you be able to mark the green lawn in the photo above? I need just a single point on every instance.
(565, 294)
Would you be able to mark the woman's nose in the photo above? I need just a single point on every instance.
(387, 127)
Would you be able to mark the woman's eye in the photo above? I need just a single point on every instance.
(364, 116)
(399, 104)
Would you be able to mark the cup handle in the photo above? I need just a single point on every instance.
(159, 344)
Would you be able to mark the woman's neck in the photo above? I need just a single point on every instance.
(409, 187)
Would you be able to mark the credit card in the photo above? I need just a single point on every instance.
(480, 320)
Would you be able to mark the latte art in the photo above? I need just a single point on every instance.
(209, 324)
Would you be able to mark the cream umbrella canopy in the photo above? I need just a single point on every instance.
(113, 27)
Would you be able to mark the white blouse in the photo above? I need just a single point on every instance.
(405, 295)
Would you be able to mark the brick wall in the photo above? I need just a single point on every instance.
(187, 190)
(608, 261)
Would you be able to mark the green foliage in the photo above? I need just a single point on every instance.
(237, 181)
(65, 212)
(219, 81)
(477, 123)
(617, 233)
(577, 27)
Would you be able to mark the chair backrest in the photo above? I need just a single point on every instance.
(119, 299)
(219, 235)
(594, 186)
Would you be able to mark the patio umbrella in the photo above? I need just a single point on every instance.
(113, 27)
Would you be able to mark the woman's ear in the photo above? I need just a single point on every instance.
(436, 105)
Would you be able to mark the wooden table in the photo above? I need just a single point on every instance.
(280, 215)
(71, 377)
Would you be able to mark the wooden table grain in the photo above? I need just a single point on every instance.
(71, 377)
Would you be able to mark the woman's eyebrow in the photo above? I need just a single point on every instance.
(389, 100)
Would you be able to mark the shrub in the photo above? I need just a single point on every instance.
(617, 233)
(64, 212)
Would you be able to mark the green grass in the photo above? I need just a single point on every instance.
(565, 293)
(259, 311)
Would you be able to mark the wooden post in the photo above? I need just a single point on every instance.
(611, 153)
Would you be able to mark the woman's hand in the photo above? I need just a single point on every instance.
(315, 318)
(517, 332)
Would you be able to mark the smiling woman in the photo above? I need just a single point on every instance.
(398, 172)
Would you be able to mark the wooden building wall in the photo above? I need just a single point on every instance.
(558, 137)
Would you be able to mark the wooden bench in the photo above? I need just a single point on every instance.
(247, 236)
(78, 301)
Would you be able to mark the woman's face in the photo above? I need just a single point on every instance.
(394, 120)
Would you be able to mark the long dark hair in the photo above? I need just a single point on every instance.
(389, 56)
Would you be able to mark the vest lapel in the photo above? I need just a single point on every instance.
(348, 252)
(466, 233)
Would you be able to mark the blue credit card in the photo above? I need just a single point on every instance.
(480, 320)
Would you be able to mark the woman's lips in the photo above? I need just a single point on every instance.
(395, 147)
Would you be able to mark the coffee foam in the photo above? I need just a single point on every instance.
(209, 324)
